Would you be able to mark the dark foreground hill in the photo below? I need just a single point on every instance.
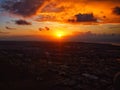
(58, 66)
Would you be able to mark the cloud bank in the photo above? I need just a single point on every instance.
(64, 10)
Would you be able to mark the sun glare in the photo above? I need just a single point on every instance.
(59, 34)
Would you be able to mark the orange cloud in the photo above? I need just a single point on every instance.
(63, 10)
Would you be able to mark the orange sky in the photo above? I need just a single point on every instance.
(47, 17)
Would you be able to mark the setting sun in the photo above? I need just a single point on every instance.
(59, 34)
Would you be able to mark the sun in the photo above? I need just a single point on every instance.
(59, 34)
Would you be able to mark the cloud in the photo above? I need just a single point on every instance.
(41, 29)
(23, 8)
(45, 28)
(63, 10)
(22, 22)
(9, 28)
(83, 18)
(53, 7)
(116, 10)
(93, 37)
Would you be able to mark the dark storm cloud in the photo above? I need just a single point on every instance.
(23, 8)
(116, 10)
(83, 18)
(22, 22)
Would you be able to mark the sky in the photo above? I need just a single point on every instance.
(76, 20)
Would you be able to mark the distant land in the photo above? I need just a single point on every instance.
(34, 65)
